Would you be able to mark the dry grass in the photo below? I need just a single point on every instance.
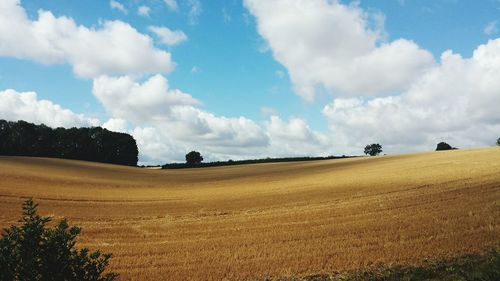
(249, 222)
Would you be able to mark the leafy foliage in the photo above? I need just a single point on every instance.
(92, 144)
(34, 252)
(444, 146)
(498, 141)
(473, 267)
(373, 149)
(193, 158)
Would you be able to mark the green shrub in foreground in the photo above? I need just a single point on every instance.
(34, 252)
(472, 267)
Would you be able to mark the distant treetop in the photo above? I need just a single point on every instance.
(193, 158)
(444, 146)
(373, 149)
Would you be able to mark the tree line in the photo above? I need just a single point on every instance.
(91, 144)
(194, 160)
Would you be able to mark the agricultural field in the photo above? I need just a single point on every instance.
(261, 221)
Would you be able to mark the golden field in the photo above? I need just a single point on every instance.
(267, 220)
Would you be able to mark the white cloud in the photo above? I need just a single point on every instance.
(194, 11)
(143, 11)
(116, 125)
(110, 49)
(154, 149)
(172, 112)
(168, 37)
(220, 132)
(153, 102)
(124, 98)
(172, 5)
(222, 138)
(295, 138)
(490, 28)
(186, 128)
(26, 106)
(115, 5)
(168, 124)
(340, 47)
(456, 101)
(392, 92)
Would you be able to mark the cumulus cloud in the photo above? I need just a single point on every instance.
(110, 49)
(115, 5)
(188, 128)
(154, 103)
(143, 11)
(168, 37)
(221, 138)
(295, 138)
(155, 149)
(392, 92)
(168, 123)
(172, 115)
(125, 98)
(339, 47)
(26, 106)
(116, 125)
(455, 101)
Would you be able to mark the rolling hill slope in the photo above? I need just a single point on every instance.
(282, 219)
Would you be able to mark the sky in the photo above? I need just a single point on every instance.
(241, 79)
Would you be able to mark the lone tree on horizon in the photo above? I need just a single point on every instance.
(444, 146)
(373, 149)
(193, 158)
(498, 141)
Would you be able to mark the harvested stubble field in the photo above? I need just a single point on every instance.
(268, 220)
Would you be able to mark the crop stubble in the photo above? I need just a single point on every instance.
(268, 220)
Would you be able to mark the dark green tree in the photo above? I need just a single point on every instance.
(193, 158)
(443, 146)
(373, 149)
(34, 252)
(5, 133)
(92, 144)
(498, 141)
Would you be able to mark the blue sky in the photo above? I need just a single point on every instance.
(238, 60)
